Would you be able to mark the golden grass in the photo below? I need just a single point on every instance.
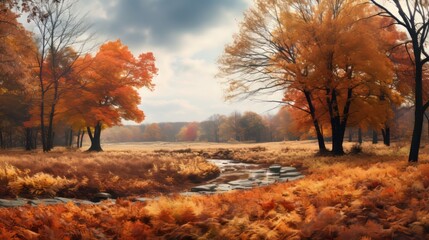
(81, 175)
(373, 195)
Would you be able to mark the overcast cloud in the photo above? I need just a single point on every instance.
(187, 37)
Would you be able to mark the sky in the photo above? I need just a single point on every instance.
(187, 37)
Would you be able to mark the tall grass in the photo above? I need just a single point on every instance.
(81, 175)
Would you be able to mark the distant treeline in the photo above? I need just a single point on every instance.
(244, 127)
(240, 127)
(235, 127)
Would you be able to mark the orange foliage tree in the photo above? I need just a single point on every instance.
(61, 37)
(16, 90)
(108, 89)
(413, 17)
(189, 132)
(349, 77)
(309, 50)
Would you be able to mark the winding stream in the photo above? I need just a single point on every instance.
(238, 176)
(234, 175)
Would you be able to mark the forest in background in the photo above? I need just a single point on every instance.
(249, 127)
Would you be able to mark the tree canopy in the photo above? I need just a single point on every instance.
(309, 51)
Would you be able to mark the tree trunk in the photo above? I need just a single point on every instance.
(81, 139)
(42, 116)
(78, 138)
(418, 110)
(374, 137)
(320, 138)
(337, 145)
(415, 140)
(95, 138)
(50, 134)
(338, 123)
(386, 135)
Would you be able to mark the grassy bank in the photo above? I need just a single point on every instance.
(372, 195)
(81, 175)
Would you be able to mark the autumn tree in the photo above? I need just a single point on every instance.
(16, 90)
(413, 17)
(284, 125)
(189, 132)
(58, 32)
(309, 50)
(230, 128)
(347, 74)
(152, 132)
(211, 127)
(269, 122)
(109, 93)
(169, 131)
(253, 126)
(248, 65)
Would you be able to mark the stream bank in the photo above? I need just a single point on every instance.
(234, 175)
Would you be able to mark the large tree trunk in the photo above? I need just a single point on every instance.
(337, 144)
(320, 138)
(338, 139)
(417, 133)
(95, 138)
(418, 109)
(338, 122)
(386, 135)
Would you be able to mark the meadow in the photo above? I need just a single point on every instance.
(374, 194)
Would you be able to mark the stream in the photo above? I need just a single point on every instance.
(234, 175)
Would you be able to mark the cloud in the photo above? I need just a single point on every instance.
(161, 22)
(186, 37)
(187, 91)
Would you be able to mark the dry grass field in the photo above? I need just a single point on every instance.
(375, 194)
(81, 175)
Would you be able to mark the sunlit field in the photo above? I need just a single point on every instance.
(374, 194)
(214, 119)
